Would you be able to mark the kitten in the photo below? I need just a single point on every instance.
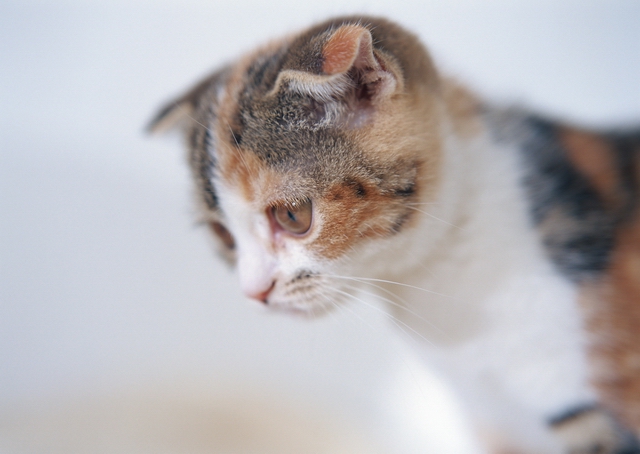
(510, 243)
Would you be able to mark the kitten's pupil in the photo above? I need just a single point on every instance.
(295, 218)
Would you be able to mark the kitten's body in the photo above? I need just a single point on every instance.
(508, 330)
(512, 241)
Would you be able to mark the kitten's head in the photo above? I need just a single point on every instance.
(310, 154)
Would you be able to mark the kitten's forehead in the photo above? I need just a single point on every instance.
(278, 137)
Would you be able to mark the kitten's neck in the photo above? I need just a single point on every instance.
(479, 199)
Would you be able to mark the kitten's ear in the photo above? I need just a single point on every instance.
(181, 111)
(351, 70)
(171, 116)
(349, 50)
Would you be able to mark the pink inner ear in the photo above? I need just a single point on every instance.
(348, 43)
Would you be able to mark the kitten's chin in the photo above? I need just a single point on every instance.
(302, 309)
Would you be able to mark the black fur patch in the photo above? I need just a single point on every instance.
(578, 228)
(203, 164)
(571, 413)
(610, 438)
(407, 191)
(582, 238)
(303, 274)
(357, 187)
(400, 221)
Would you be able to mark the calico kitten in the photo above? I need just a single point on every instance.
(340, 157)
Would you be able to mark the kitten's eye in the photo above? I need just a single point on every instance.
(294, 218)
(223, 234)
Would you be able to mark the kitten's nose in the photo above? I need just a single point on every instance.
(261, 295)
(257, 272)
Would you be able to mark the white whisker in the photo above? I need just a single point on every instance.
(345, 307)
(435, 217)
(395, 304)
(385, 313)
(189, 116)
(365, 279)
(422, 203)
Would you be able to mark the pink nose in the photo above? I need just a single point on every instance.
(262, 295)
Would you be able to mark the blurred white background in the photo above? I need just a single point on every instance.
(120, 331)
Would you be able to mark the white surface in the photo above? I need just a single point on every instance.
(106, 285)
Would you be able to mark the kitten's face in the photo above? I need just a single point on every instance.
(310, 156)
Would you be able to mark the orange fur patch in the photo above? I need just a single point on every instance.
(613, 321)
(349, 217)
(593, 156)
(342, 49)
(613, 304)
(258, 184)
(463, 108)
